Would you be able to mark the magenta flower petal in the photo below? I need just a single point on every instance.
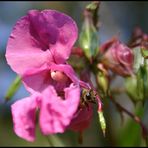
(39, 38)
(39, 79)
(23, 50)
(36, 80)
(60, 95)
(55, 30)
(67, 70)
(55, 113)
(23, 113)
(82, 119)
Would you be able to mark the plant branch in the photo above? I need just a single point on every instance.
(117, 90)
(134, 117)
(49, 141)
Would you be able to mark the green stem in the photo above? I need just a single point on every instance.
(146, 141)
(110, 140)
(134, 117)
(13, 88)
(54, 140)
(50, 141)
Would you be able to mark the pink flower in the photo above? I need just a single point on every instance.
(51, 76)
(56, 99)
(117, 56)
(39, 38)
(38, 47)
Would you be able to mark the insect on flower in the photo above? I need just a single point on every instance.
(87, 96)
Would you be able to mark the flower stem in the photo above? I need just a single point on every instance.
(13, 88)
(134, 117)
(49, 141)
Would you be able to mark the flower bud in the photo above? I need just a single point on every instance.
(131, 89)
(142, 81)
(117, 56)
(137, 85)
(102, 78)
(89, 38)
(102, 122)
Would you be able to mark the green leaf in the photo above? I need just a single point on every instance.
(13, 88)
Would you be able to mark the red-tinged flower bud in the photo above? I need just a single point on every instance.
(117, 56)
(138, 39)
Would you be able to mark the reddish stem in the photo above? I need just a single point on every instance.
(134, 117)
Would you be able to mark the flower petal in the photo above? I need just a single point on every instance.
(56, 30)
(23, 113)
(66, 69)
(55, 113)
(39, 79)
(23, 50)
(82, 119)
(36, 80)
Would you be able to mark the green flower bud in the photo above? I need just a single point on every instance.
(137, 85)
(142, 81)
(102, 79)
(131, 88)
(88, 40)
(102, 122)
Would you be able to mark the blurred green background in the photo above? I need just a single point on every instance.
(116, 18)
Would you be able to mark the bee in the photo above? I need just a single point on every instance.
(87, 96)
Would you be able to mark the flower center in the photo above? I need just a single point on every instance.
(60, 82)
(59, 76)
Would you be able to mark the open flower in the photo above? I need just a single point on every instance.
(37, 50)
(40, 37)
(55, 92)
(117, 56)
(38, 47)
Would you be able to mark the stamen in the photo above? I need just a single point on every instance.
(59, 76)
